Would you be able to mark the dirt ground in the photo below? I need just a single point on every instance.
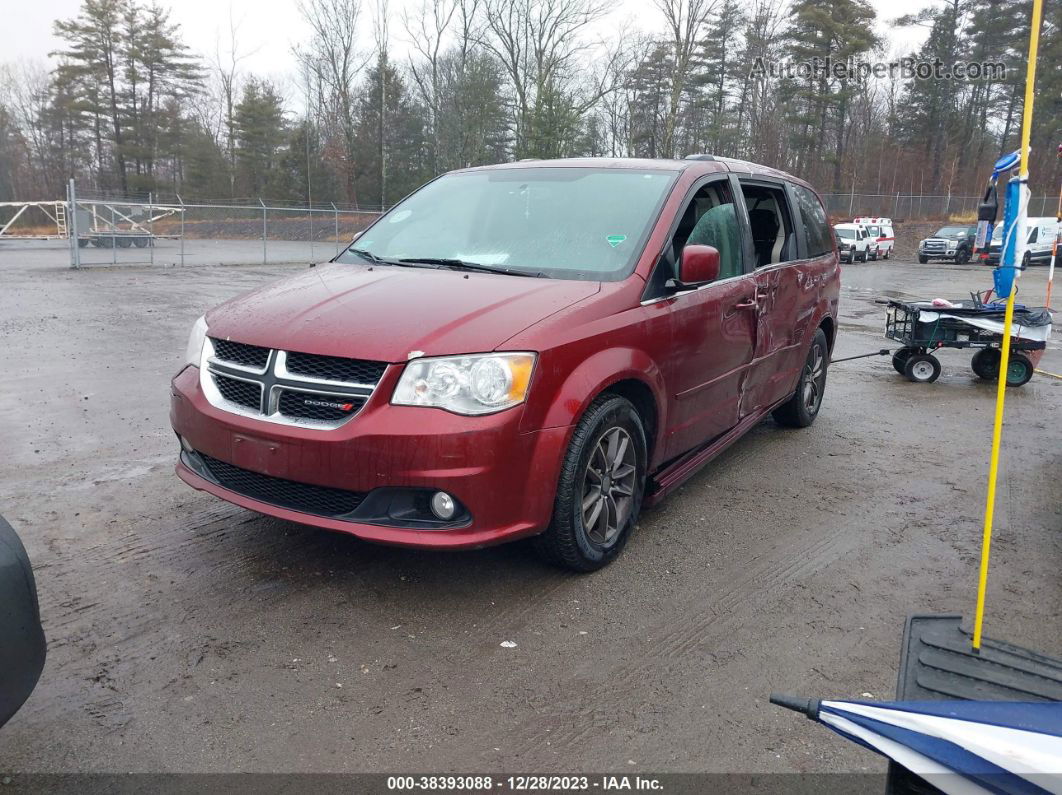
(186, 634)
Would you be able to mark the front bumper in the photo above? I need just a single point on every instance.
(504, 478)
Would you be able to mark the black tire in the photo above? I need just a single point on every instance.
(899, 359)
(140, 242)
(1019, 369)
(962, 257)
(82, 242)
(863, 256)
(922, 260)
(985, 364)
(875, 257)
(803, 407)
(568, 542)
(922, 368)
(1026, 260)
(887, 253)
(124, 242)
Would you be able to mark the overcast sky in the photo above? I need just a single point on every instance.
(269, 28)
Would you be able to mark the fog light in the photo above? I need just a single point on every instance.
(442, 505)
(186, 446)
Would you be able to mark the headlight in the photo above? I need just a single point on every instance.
(195, 342)
(479, 383)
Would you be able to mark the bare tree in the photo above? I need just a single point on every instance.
(333, 59)
(380, 31)
(685, 20)
(426, 32)
(539, 44)
(230, 79)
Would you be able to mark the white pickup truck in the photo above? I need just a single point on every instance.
(856, 243)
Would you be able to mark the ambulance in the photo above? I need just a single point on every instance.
(880, 230)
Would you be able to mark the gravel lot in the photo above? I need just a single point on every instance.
(190, 635)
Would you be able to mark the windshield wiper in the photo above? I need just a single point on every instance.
(464, 265)
(365, 254)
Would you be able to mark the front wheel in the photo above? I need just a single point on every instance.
(802, 408)
(922, 368)
(922, 260)
(962, 257)
(888, 251)
(599, 494)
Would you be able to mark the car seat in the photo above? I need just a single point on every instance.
(764, 225)
(717, 227)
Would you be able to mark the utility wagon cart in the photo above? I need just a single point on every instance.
(923, 328)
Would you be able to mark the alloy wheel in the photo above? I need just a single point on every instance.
(814, 376)
(608, 486)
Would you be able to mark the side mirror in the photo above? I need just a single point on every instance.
(699, 265)
(22, 646)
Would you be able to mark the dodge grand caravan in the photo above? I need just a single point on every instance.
(530, 349)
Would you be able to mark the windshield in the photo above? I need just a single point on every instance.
(952, 231)
(566, 223)
(847, 234)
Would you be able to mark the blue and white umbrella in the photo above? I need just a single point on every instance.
(958, 746)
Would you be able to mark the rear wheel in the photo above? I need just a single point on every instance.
(1019, 369)
(899, 359)
(803, 407)
(599, 494)
(922, 368)
(985, 363)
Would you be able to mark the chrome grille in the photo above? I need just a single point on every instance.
(335, 368)
(935, 245)
(241, 354)
(235, 390)
(290, 388)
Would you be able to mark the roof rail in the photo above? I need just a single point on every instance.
(699, 157)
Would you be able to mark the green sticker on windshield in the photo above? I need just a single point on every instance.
(615, 240)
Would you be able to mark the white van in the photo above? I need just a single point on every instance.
(881, 231)
(1041, 234)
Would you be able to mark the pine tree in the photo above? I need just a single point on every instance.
(259, 120)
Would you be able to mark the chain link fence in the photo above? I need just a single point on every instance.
(906, 208)
(106, 230)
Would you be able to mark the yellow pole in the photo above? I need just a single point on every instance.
(1008, 318)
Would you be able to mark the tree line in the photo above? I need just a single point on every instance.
(128, 108)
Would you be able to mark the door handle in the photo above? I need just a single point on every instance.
(747, 304)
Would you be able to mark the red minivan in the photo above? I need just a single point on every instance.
(530, 349)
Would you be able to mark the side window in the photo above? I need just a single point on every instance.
(709, 219)
(773, 237)
(1033, 234)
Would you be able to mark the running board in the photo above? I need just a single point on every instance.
(686, 466)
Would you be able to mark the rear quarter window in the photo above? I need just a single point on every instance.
(816, 229)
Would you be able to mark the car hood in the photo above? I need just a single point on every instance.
(387, 312)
